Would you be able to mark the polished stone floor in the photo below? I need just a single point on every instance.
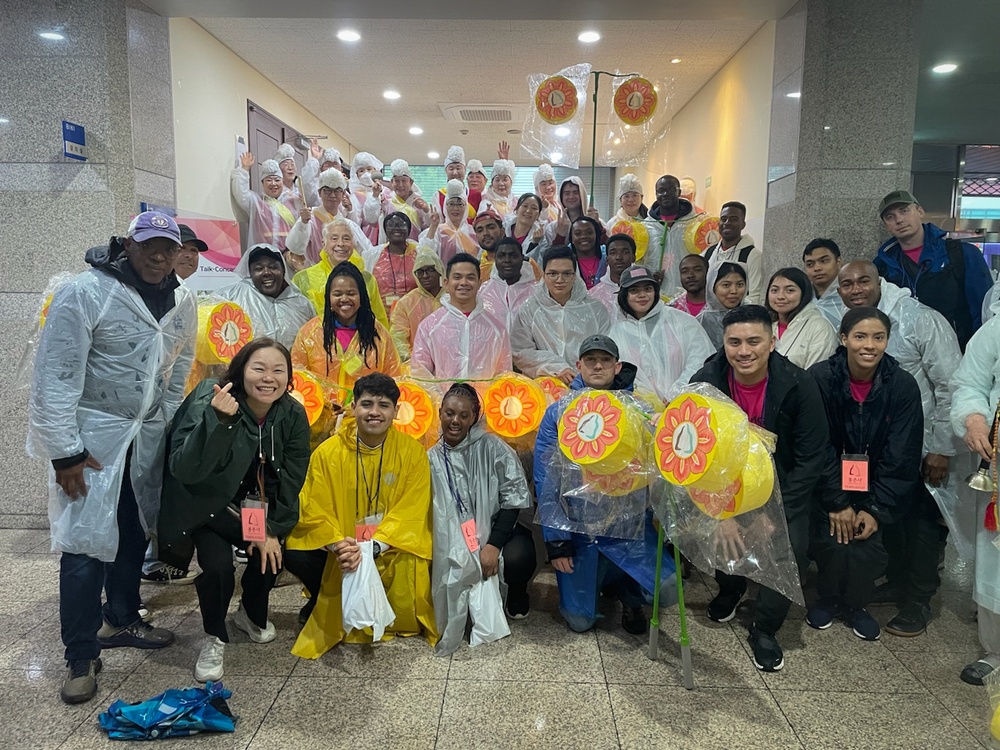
(544, 687)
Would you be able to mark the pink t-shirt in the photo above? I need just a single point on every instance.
(782, 327)
(860, 389)
(344, 336)
(913, 253)
(695, 308)
(750, 398)
(588, 269)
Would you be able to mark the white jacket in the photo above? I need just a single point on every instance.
(546, 336)
(809, 338)
(606, 292)
(832, 306)
(667, 346)
(501, 299)
(755, 277)
(449, 344)
(667, 248)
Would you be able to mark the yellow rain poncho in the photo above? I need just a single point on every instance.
(329, 506)
(312, 283)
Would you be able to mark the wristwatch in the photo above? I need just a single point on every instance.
(376, 549)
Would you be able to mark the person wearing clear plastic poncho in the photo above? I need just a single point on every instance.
(545, 188)
(693, 273)
(455, 169)
(588, 564)
(367, 482)
(627, 220)
(552, 323)
(620, 252)
(727, 288)
(368, 193)
(574, 203)
(270, 219)
(461, 340)
(343, 241)
(277, 309)
(416, 305)
(109, 374)
(873, 408)
(498, 196)
(785, 400)
(974, 402)
(926, 347)
(478, 485)
(320, 160)
(305, 239)
(405, 198)
(668, 220)
(591, 258)
(392, 262)
(511, 281)
(667, 346)
(804, 334)
(455, 233)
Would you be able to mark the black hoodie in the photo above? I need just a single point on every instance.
(110, 258)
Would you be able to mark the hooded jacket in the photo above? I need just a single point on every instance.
(552, 237)
(809, 338)
(666, 242)
(452, 345)
(545, 336)
(887, 427)
(605, 291)
(794, 411)
(501, 299)
(934, 280)
(713, 312)
(752, 265)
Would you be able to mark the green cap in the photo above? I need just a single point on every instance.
(896, 198)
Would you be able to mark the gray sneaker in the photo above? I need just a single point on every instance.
(137, 635)
(80, 684)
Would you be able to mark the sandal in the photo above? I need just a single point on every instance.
(975, 672)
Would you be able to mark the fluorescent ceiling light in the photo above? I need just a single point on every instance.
(945, 68)
(794, 95)
(433, 155)
(391, 94)
(589, 37)
(416, 130)
(52, 36)
(562, 132)
(348, 35)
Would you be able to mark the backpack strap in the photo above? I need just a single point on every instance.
(956, 259)
(710, 252)
(745, 253)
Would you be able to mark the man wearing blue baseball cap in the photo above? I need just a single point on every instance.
(115, 351)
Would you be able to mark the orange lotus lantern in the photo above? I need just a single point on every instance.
(634, 229)
(556, 100)
(513, 406)
(599, 432)
(635, 100)
(418, 412)
(702, 234)
(701, 442)
(223, 329)
(553, 387)
(306, 390)
(633, 477)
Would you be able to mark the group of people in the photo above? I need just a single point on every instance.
(857, 369)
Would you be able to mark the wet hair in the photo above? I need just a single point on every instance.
(858, 314)
(700, 258)
(819, 242)
(798, 277)
(525, 196)
(462, 258)
(598, 231)
(234, 373)
(365, 319)
(727, 268)
(559, 252)
(464, 390)
(621, 238)
(376, 384)
(401, 215)
(508, 241)
(747, 314)
(736, 205)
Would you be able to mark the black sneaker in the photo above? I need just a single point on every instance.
(910, 622)
(137, 635)
(864, 625)
(80, 684)
(822, 614)
(518, 605)
(767, 654)
(634, 620)
(723, 607)
(887, 593)
(170, 575)
(241, 556)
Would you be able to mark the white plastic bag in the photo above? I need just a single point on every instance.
(486, 610)
(363, 600)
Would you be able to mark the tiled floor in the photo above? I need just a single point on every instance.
(544, 687)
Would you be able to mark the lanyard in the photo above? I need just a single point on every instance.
(462, 510)
(360, 469)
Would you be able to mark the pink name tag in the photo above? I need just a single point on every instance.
(854, 473)
(254, 523)
(469, 532)
(363, 532)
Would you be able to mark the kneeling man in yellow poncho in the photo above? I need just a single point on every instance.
(367, 481)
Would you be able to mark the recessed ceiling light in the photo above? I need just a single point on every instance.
(555, 156)
(562, 132)
(52, 36)
(348, 35)
(391, 94)
(675, 60)
(433, 155)
(589, 37)
(945, 68)
(794, 95)
(416, 130)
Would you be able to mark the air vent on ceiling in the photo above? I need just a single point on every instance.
(483, 113)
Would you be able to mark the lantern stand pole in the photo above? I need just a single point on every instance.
(654, 623)
(593, 140)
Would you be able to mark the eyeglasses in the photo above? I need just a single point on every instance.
(395, 224)
(149, 248)
(560, 275)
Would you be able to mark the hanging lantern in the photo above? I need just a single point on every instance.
(223, 329)
(417, 415)
(513, 406)
(635, 101)
(599, 432)
(556, 100)
(702, 234)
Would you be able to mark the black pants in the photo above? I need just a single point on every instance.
(915, 545)
(214, 543)
(82, 577)
(772, 608)
(847, 572)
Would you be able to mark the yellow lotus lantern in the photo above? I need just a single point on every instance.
(634, 229)
(223, 329)
(418, 412)
(307, 391)
(634, 477)
(702, 234)
(701, 442)
(750, 490)
(556, 100)
(45, 312)
(635, 100)
(599, 432)
(513, 406)
(553, 387)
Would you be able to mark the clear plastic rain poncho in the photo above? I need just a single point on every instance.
(545, 336)
(452, 345)
(719, 482)
(108, 377)
(475, 479)
(714, 311)
(553, 129)
(278, 317)
(270, 220)
(667, 346)
(926, 347)
(638, 117)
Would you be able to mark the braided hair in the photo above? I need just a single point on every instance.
(365, 319)
(464, 390)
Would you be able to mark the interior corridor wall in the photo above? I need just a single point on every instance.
(211, 85)
(722, 134)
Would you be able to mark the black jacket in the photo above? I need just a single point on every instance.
(793, 410)
(110, 258)
(888, 427)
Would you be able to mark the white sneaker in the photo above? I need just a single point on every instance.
(242, 620)
(209, 664)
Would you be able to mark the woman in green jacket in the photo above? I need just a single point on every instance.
(238, 454)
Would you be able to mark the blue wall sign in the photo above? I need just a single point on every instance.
(74, 141)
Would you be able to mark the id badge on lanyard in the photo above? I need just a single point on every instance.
(469, 534)
(365, 529)
(253, 515)
(854, 472)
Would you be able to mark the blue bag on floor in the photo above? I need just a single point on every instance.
(173, 713)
